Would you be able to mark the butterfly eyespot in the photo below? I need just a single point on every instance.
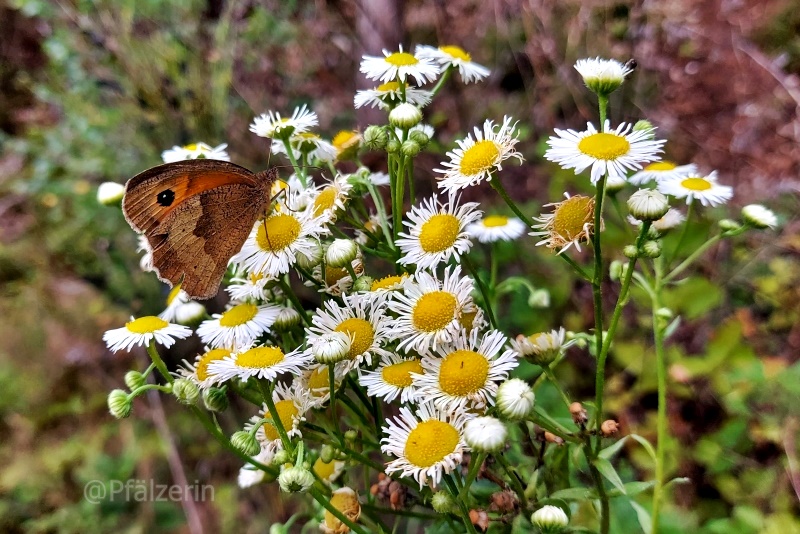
(166, 197)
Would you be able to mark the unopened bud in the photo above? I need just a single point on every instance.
(630, 251)
(185, 391)
(665, 314)
(341, 253)
(216, 399)
(729, 225)
(419, 137)
(362, 283)
(134, 380)
(405, 116)
(615, 270)
(375, 137)
(119, 404)
(281, 457)
(245, 443)
(550, 519)
(552, 438)
(351, 435)
(393, 146)
(295, 479)
(410, 148)
(327, 454)
(310, 259)
(651, 249)
(442, 502)
(609, 427)
(579, 414)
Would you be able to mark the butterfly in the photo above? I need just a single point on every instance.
(195, 215)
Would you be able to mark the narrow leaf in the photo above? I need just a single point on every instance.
(643, 516)
(613, 449)
(646, 445)
(608, 471)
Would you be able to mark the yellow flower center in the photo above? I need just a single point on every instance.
(389, 86)
(399, 374)
(401, 59)
(324, 470)
(324, 201)
(572, 215)
(278, 232)
(388, 282)
(463, 372)
(238, 315)
(346, 502)
(479, 158)
(456, 52)
(362, 333)
(255, 277)
(260, 357)
(319, 382)
(605, 146)
(286, 413)
(439, 232)
(201, 368)
(493, 221)
(334, 274)
(191, 147)
(695, 183)
(467, 319)
(433, 311)
(430, 442)
(146, 325)
(663, 165)
(173, 293)
(343, 138)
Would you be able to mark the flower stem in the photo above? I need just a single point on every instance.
(597, 291)
(515, 482)
(159, 363)
(482, 288)
(451, 485)
(287, 289)
(661, 425)
(441, 82)
(332, 388)
(498, 186)
(475, 462)
(552, 378)
(266, 392)
(293, 160)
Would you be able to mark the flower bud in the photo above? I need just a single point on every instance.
(645, 125)
(609, 427)
(331, 348)
(759, 217)
(651, 249)
(539, 298)
(189, 313)
(185, 391)
(351, 435)
(110, 193)
(419, 137)
(341, 253)
(630, 251)
(410, 148)
(729, 225)
(393, 146)
(515, 399)
(648, 205)
(550, 519)
(375, 137)
(327, 454)
(245, 443)
(287, 319)
(579, 414)
(552, 438)
(485, 434)
(405, 116)
(602, 76)
(119, 404)
(442, 502)
(282, 457)
(216, 399)
(615, 270)
(295, 479)
(312, 259)
(362, 283)
(134, 380)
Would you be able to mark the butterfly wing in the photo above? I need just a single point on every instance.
(195, 214)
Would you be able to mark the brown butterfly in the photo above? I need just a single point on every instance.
(196, 214)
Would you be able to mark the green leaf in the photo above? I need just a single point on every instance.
(678, 480)
(646, 445)
(633, 488)
(613, 449)
(572, 494)
(643, 516)
(608, 471)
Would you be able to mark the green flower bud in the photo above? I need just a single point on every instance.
(393, 146)
(216, 399)
(351, 435)
(362, 283)
(134, 380)
(405, 116)
(119, 404)
(442, 502)
(245, 443)
(651, 249)
(410, 148)
(341, 253)
(312, 259)
(615, 270)
(185, 391)
(327, 454)
(419, 137)
(281, 457)
(375, 137)
(630, 251)
(287, 319)
(643, 125)
(729, 225)
(295, 479)
(665, 313)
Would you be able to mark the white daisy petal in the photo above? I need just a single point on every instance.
(494, 228)
(399, 65)
(694, 186)
(448, 56)
(392, 378)
(239, 326)
(195, 151)
(139, 332)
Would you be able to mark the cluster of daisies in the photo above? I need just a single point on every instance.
(415, 337)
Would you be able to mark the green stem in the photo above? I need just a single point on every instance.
(482, 288)
(475, 462)
(451, 485)
(266, 392)
(287, 289)
(605, 518)
(326, 503)
(441, 82)
(515, 482)
(332, 388)
(402, 513)
(661, 425)
(684, 232)
(552, 378)
(597, 285)
(399, 196)
(293, 160)
(693, 256)
(498, 186)
(377, 199)
(159, 363)
(141, 389)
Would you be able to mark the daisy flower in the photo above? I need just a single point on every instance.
(240, 325)
(362, 320)
(571, 222)
(261, 361)
(139, 332)
(694, 186)
(465, 374)
(389, 95)
(195, 151)
(310, 144)
(453, 56)
(543, 347)
(180, 307)
(496, 228)
(392, 378)
(315, 382)
(611, 151)
(475, 159)
(328, 472)
(251, 286)
(274, 243)
(602, 76)
(661, 170)
(198, 371)
(346, 143)
(272, 125)
(436, 232)
(429, 310)
(291, 407)
(399, 66)
(426, 443)
(326, 200)
(335, 280)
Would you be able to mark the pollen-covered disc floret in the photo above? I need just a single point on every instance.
(139, 332)
(454, 56)
(274, 243)
(272, 125)
(261, 361)
(661, 170)
(485, 434)
(429, 310)
(570, 223)
(392, 378)
(400, 66)
(426, 443)
(240, 325)
(464, 373)
(389, 94)
(475, 159)
(436, 232)
(493, 228)
(609, 151)
(602, 76)
(695, 186)
(364, 321)
(195, 151)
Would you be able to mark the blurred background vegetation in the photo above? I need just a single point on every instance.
(94, 90)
